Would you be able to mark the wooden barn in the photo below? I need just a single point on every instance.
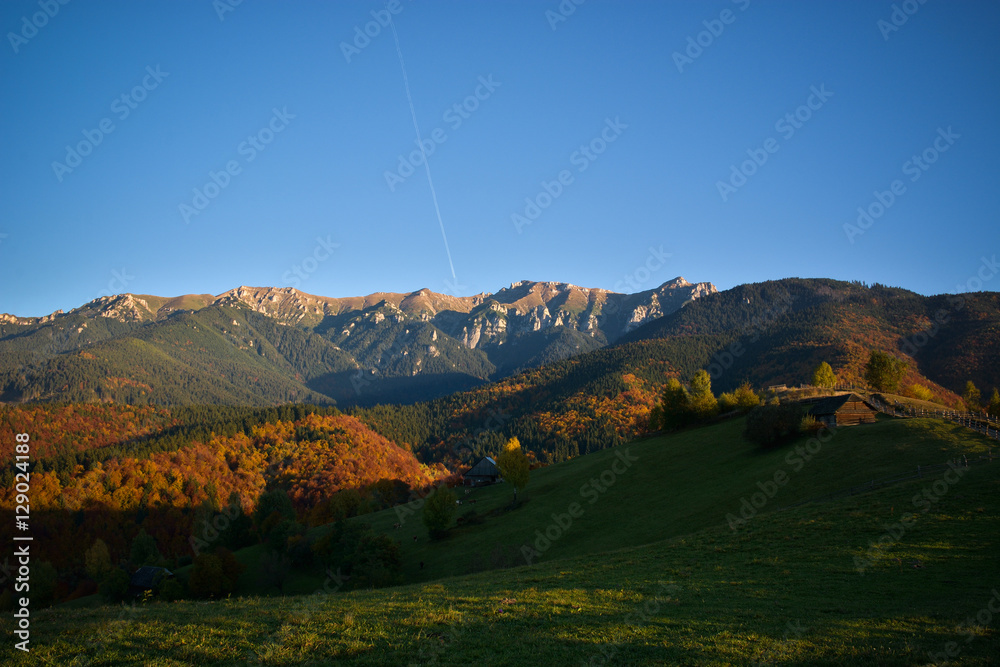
(843, 410)
(484, 472)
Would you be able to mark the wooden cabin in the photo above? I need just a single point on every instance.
(843, 410)
(484, 472)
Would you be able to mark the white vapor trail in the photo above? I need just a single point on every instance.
(416, 127)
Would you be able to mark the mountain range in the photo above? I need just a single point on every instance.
(266, 345)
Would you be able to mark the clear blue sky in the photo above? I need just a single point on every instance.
(67, 233)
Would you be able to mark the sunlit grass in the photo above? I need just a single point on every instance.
(785, 589)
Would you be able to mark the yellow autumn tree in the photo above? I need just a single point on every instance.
(513, 465)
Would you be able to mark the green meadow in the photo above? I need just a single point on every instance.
(633, 562)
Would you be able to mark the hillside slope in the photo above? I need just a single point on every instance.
(843, 582)
(768, 333)
(106, 471)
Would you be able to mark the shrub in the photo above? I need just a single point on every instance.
(439, 511)
(114, 588)
(215, 573)
(743, 399)
(771, 425)
(921, 392)
(810, 425)
(378, 562)
(171, 590)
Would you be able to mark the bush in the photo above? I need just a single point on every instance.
(215, 574)
(114, 588)
(336, 548)
(378, 562)
(743, 399)
(171, 590)
(921, 392)
(280, 535)
(772, 425)
(810, 425)
(439, 511)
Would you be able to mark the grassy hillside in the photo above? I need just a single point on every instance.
(804, 585)
(673, 485)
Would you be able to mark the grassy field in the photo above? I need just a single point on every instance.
(649, 573)
(676, 485)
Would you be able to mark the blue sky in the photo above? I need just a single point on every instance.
(188, 89)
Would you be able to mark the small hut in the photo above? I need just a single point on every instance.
(484, 472)
(147, 578)
(843, 410)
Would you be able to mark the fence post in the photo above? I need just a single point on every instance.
(919, 474)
